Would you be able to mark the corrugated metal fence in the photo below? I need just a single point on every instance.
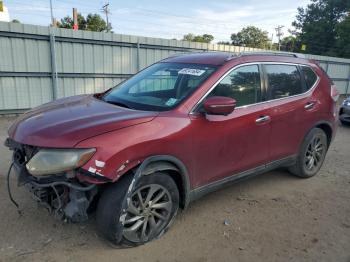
(38, 64)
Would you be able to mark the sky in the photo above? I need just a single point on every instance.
(169, 19)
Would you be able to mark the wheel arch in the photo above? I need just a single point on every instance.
(169, 164)
(323, 125)
(327, 128)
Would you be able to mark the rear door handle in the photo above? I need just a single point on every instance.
(262, 119)
(309, 105)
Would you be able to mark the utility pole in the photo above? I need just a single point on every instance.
(75, 19)
(105, 9)
(53, 21)
(271, 41)
(279, 33)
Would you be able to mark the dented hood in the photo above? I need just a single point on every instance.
(65, 122)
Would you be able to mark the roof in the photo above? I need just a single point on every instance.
(220, 58)
(207, 58)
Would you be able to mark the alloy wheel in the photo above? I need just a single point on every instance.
(148, 213)
(314, 154)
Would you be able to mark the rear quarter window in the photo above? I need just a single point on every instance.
(309, 76)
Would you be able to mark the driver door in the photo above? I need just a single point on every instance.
(228, 145)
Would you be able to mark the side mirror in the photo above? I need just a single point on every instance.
(219, 105)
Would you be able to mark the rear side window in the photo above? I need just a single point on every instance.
(283, 81)
(309, 75)
(242, 84)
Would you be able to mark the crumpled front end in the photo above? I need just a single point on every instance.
(62, 194)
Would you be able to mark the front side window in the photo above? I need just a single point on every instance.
(242, 84)
(309, 76)
(283, 81)
(160, 87)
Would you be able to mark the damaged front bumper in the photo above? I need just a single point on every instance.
(63, 195)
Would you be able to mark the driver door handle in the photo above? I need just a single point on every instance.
(262, 119)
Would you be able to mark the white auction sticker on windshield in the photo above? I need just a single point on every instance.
(191, 71)
(171, 101)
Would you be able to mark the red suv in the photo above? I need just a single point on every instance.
(175, 131)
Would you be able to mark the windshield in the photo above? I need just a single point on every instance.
(159, 87)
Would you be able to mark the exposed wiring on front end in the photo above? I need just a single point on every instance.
(9, 189)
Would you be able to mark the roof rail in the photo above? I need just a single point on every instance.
(272, 54)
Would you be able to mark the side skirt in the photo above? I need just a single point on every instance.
(214, 186)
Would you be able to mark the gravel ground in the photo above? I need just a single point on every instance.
(272, 217)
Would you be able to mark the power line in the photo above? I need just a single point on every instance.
(162, 13)
(210, 25)
(213, 27)
(146, 12)
(181, 29)
(158, 14)
(178, 32)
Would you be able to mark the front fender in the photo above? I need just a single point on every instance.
(120, 151)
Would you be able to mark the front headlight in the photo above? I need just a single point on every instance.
(52, 161)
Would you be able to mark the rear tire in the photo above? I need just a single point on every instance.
(152, 207)
(311, 154)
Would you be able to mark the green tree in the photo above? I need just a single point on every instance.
(67, 22)
(290, 44)
(206, 38)
(251, 36)
(224, 43)
(188, 37)
(342, 43)
(16, 21)
(93, 22)
(316, 25)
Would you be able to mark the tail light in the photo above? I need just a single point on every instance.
(334, 93)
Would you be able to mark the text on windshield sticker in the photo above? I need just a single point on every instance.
(191, 71)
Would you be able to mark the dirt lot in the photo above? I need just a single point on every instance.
(273, 217)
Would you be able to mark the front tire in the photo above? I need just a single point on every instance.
(311, 155)
(153, 204)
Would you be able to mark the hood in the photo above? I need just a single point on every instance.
(67, 121)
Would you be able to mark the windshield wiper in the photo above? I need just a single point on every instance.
(117, 103)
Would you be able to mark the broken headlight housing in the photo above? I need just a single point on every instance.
(53, 161)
